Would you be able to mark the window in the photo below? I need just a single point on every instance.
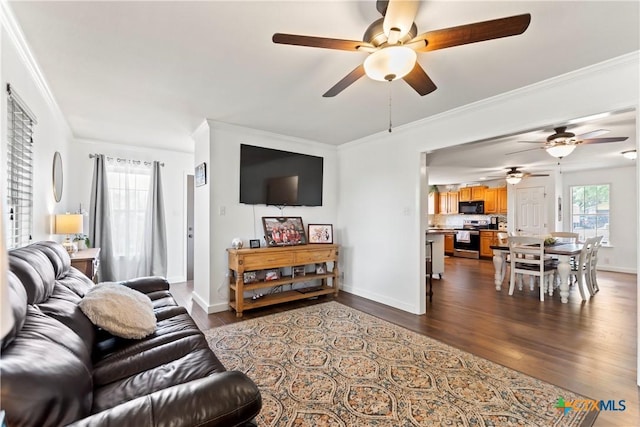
(590, 211)
(20, 122)
(129, 184)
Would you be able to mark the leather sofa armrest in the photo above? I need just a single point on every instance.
(225, 399)
(148, 284)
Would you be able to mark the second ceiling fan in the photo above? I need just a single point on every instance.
(393, 43)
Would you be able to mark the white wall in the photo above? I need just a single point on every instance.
(622, 254)
(51, 134)
(228, 218)
(380, 204)
(176, 165)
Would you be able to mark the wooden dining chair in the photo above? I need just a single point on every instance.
(565, 236)
(580, 268)
(527, 258)
(592, 263)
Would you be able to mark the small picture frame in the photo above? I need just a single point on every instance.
(201, 174)
(250, 277)
(298, 271)
(270, 275)
(254, 243)
(321, 268)
(321, 233)
(284, 231)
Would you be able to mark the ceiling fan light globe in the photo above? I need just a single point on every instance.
(512, 179)
(390, 63)
(560, 150)
(630, 154)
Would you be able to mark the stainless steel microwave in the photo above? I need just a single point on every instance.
(476, 207)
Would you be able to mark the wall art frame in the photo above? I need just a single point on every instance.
(284, 231)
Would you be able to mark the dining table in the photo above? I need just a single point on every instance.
(564, 252)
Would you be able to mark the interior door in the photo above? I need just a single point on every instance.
(530, 211)
(190, 188)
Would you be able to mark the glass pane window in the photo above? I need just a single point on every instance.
(590, 211)
(129, 184)
(20, 123)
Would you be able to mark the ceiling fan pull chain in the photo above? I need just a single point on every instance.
(390, 106)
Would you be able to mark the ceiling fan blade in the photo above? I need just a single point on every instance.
(522, 151)
(593, 134)
(322, 42)
(476, 32)
(536, 174)
(399, 15)
(420, 81)
(345, 82)
(531, 142)
(602, 140)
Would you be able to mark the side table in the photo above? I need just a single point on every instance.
(88, 262)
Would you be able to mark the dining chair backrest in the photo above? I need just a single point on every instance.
(527, 258)
(565, 236)
(528, 250)
(592, 264)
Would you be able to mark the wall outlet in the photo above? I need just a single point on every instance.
(606, 260)
(222, 210)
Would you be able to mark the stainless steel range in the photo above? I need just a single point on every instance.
(466, 241)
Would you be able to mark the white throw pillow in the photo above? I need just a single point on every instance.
(120, 310)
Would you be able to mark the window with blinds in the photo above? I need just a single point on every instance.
(20, 122)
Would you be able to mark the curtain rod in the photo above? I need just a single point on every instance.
(91, 156)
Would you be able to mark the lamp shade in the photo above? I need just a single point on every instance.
(560, 149)
(68, 224)
(390, 63)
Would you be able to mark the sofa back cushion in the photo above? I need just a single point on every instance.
(18, 300)
(35, 271)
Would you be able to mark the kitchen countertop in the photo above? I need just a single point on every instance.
(441, 231)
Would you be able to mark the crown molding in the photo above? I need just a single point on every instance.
(13, 30)
(629, 59)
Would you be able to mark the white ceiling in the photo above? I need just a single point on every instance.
(148, 73)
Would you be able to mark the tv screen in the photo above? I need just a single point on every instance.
(280, 178)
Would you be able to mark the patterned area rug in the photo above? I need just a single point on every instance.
(331, 365)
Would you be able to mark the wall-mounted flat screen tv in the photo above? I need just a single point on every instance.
(280, 178)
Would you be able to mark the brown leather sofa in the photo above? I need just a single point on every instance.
(57, 368)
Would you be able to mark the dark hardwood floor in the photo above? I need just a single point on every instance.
(586, 347)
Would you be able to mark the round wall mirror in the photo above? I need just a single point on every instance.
(57, 176)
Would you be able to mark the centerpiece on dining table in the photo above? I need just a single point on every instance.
(550, 241)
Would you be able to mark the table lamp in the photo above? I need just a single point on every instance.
(69, 224)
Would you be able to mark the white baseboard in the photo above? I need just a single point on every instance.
(382, 299)
(617, 269)
(209, 308)
(176, 279)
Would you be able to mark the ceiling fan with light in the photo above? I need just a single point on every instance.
(393, 43)
(562, 143)
(514, 175)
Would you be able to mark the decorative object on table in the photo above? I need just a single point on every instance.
(68, 224)
(254, 243)
(57, 176)
(250, 277)
(550, 241)
(298, 271)
(82, 241)
(271, 275)
(321, 268)
(236, 243)
(320, 233)
(284, 231)
(201, 174)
